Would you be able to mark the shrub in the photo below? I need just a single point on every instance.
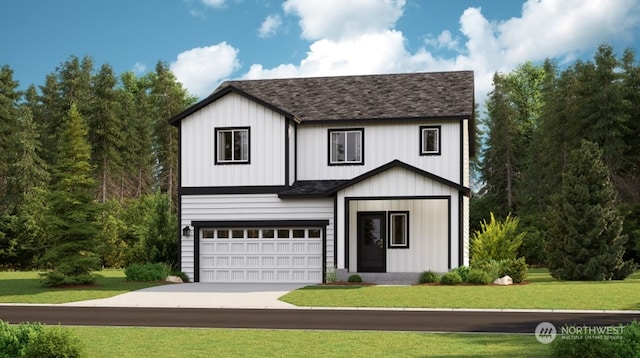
(478, 277)
(492, 267)
(496, 240)
(450, 278)
(37, 340)
(54, 342)
(354, 278)
(516, 269)
(592, 344)
(428, 277)
(463, 271)
(57, 278)
(147, 272)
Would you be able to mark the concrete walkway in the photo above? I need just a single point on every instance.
(200, 295)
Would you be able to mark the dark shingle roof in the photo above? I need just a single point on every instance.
(408, 95)
(397, 96)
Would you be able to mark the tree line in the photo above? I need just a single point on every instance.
(546, 131)
(89, 166)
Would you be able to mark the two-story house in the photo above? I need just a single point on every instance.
(291, 180)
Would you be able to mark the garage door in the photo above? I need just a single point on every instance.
(261, 255)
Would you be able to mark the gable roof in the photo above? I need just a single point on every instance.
(389, 96)
(326, 188)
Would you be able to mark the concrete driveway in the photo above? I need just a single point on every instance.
(200, 295)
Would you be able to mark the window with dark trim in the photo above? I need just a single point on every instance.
(232, 145)
(346, 146)
(430, 140)
(398, 229)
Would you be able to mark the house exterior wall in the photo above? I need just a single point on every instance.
(251, 207)
(267, 145)
(399, 187)
(384, 141)
(428, 233)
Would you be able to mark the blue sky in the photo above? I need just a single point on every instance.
(208, 41)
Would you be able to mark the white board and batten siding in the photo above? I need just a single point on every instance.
(433, 219)
(266, 146)
(465, 200)
(289, 255)
(383, 143)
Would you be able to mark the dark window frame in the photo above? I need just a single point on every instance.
(390, 225)
(330, 147)
(438, 130)
(232, 130)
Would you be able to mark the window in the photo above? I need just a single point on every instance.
(207, 233)
(314, 233)
(398, 229)
(345, 146)
(232, 145)
(430, 140)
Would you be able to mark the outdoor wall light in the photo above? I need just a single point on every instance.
(186, 231)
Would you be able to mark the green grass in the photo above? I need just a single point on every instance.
(191, 342)
(25, 287)
(542, 292)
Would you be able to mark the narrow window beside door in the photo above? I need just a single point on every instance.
(399, 229)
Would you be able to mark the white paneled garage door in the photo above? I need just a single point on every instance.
(261, 255)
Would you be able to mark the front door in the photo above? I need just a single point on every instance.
(372, 255)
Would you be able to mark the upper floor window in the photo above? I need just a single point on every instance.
(232, 145)
(430, 140)
(345, 146)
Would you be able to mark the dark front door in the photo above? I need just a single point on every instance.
(372, 255)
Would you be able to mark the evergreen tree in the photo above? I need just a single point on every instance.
(71, 217)
(585, 241)
(138, 138)
(168, 98)
(106, 133)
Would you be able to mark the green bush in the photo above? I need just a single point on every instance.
(492, 267)
(56, 278)
(589, 344)
(354, 278)
(147, 272)
(478, 277)
(428, 277)
(37, 340)
(54, 342)
(463, 271)
(516, 269)
(450, 278)
(496, 240)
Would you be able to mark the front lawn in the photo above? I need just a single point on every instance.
(25, 287)
(542, 292)
(192, 342)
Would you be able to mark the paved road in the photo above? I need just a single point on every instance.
(326, 319)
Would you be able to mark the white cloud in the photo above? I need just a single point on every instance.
(444, 40)
(338, 19)
(139, 68)
(214, 3)
(269, 26)
(201, 69)
(560, 28)
(360, 37)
